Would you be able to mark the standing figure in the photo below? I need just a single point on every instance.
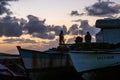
(61, 38)
(88, 37)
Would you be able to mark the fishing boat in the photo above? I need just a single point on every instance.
(84, 56)
(55, 61)
(33, 59)
(92, 59)
(103, 53)
(52, 58)
(50, 63)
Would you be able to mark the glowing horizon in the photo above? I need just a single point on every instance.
(43, 19)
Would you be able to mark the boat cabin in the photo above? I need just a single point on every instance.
(110, 31)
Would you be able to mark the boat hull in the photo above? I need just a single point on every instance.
(91, 60)
(39, 60)
(44, 66)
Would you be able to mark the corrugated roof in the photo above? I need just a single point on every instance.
(108, 23)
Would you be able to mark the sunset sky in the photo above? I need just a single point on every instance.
(35, 24)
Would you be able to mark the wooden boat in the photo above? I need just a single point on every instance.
(37, 64)
(33, 59)
(93, 57)
(85, 56)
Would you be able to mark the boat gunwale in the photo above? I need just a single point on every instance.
(37, 52)
(95, 52)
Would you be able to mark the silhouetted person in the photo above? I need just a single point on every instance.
(61, 38)
(88, 37)
(78, 39)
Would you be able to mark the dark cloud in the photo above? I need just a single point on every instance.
(74, 30)
(35, 25)
(57, 29)
(15, 27)
(103, 8)
(10, 27)
(23, 22)
(85, 27)
(3, 7)
(19, 40)
(38, 28)
(76, 13)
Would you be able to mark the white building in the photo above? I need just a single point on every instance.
(110, 30)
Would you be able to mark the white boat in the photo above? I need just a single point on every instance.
(105, 52)
(86, 60)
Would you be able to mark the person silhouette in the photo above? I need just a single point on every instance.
(78, 40)
(88, 37)
(61, 38)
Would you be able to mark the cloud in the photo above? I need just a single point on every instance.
(83, 28)
(35, 25)
(78, 20)
(44, 35)
(19, 40)
(87, 28)
(3, 7)
(103, 8)
(73, 30)
(15, 27)
(23, 22)
(76, 13)
(38, 28)
(10, 27)
(57, 29)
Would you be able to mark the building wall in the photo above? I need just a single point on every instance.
(109, 35)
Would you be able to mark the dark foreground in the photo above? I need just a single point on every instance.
(12, 69)
(62, 73)
(4, 77)
(69, 73)
(112, 73)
